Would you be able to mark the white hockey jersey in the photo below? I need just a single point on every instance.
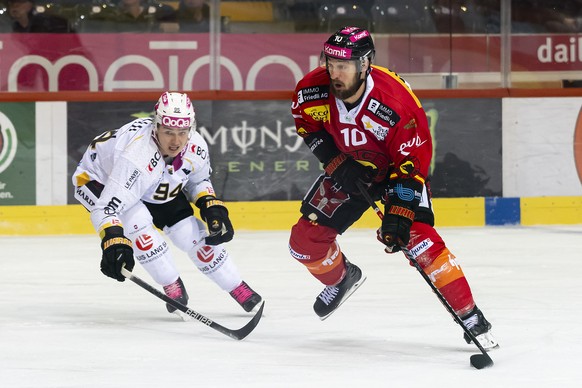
(128, 163)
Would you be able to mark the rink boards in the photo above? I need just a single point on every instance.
(281, 215)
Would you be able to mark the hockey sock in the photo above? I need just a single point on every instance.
(446, 274)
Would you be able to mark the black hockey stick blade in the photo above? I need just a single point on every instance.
(234, 334)
(480, 361)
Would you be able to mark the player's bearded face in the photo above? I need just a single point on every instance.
(344, 77)
(172, 140)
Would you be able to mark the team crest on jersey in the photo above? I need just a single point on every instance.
(318, 113)
(378, 130)
(383, 112)
(312, 94)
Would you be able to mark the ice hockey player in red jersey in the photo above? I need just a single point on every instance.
(141, 179)
(366, 126)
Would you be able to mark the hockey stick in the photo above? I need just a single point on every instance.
(479, 361)
(235, 334)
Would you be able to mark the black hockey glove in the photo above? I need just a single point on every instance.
(347, 172)
(215, 214)
(402, 199)
(117, 253)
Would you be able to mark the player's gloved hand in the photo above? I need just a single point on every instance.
(395, 230)
(347, 172)
(215, 214)
(117, 253)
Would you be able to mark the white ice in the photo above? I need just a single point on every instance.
(64, 324)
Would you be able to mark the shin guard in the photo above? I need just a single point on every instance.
(441, 266)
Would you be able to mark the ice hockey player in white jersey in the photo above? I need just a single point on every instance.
(140, 179)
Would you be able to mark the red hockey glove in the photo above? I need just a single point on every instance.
(117, 253)
(215, 214)
(347, 172)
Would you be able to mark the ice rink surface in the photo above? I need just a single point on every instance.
(64, 324)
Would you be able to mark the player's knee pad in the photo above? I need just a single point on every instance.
(188, 234)
(310, 242)
(213, 261)
(148, 243)
(149, 246)
(216, 263)
(315, 246)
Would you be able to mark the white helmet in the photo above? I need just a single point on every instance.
(175, 110)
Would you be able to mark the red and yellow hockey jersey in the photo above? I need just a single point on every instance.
(387, 130)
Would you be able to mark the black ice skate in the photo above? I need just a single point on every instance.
(176, 291)
(333, 296)
(246, 297)
(481, 328)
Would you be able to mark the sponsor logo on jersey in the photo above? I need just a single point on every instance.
(421, 247)
(383, 112)
(378, 130)
(144, 242)
(84, 196)
(313, 93)
(154, 162)
(112, 206)
(414, 142)
(132, 179)
(8, 142)
(199, 151)
(318, 113)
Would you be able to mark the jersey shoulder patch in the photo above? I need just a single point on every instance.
(314, 86)
(383, 111)
(312, 93)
